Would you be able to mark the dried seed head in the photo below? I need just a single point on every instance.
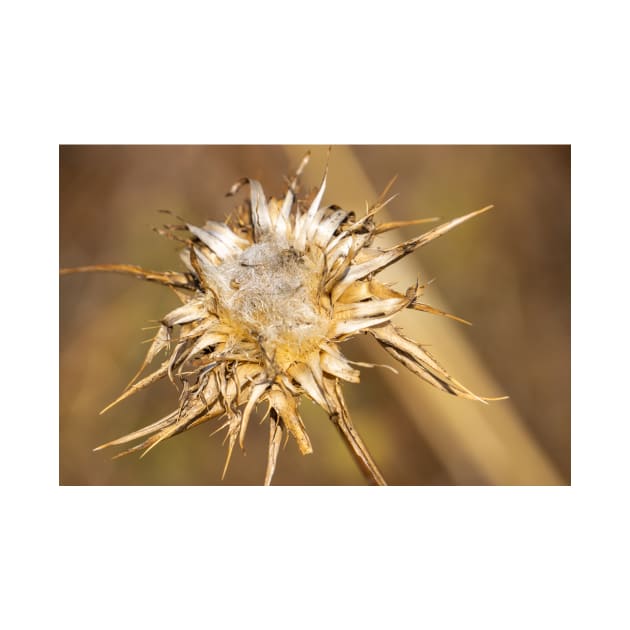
(270, 296)
(266, 299)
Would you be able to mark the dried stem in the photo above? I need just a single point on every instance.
(341, 420)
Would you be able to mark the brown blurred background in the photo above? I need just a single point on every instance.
(508, 272)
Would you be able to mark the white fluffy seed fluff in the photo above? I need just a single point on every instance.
(271, 291)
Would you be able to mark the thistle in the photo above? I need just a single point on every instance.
(266, 299)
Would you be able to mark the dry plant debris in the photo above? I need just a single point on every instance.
(267, 298)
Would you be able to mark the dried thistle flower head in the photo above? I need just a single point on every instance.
(267, 298)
